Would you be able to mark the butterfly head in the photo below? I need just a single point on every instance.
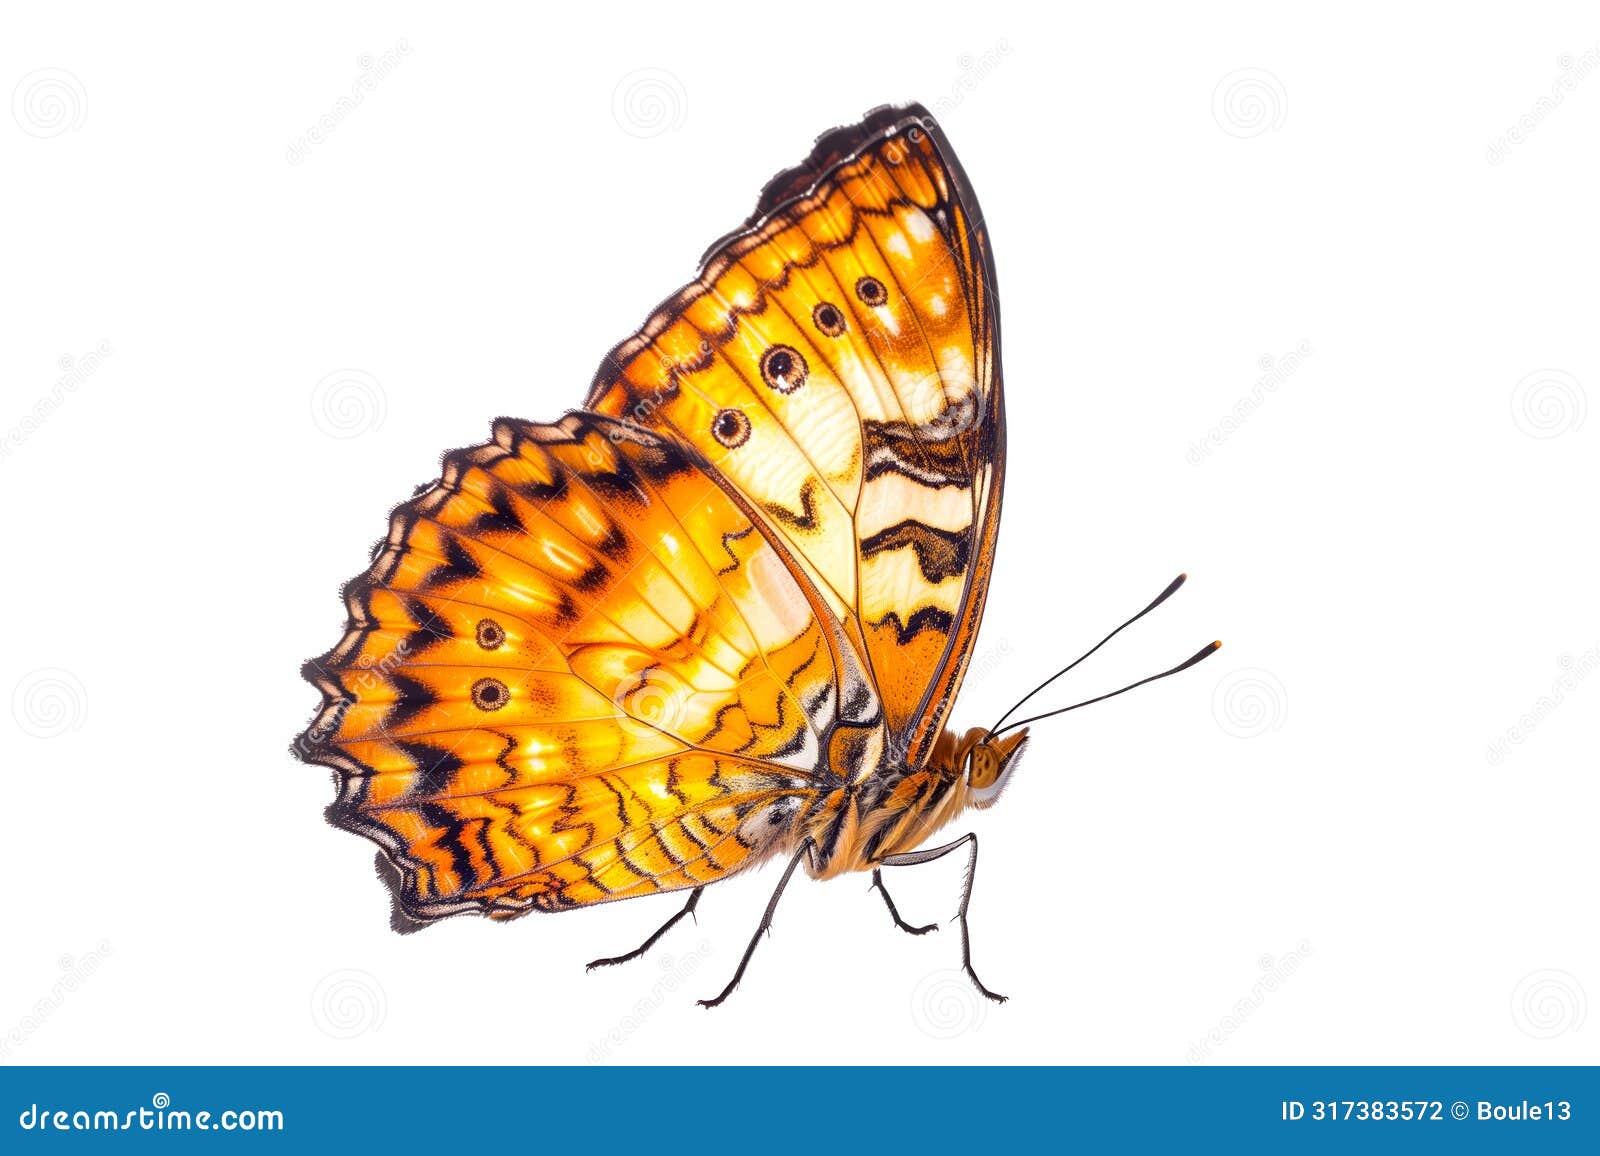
(989, 763)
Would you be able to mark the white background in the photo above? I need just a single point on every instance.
(1309, 849)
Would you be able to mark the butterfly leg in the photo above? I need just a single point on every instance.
(914, 858)
(688, 909)
(763, 927)
(894, 912)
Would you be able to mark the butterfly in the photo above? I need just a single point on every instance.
(720, 615)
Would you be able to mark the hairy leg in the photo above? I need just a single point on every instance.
(688, 909)
(914, 858)
(763, 927)
(894, 912)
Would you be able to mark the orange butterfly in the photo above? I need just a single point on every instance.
(722, 613)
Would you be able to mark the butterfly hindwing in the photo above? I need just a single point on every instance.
(838, 358)
(577, 670)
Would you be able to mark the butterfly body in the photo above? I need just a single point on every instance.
(721, 614)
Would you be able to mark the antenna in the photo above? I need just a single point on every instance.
(1172, 588)
(1205, 652)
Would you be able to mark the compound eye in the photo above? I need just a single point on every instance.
(991, 771)
(985, 768)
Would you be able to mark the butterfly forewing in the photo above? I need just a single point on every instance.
(837, 359)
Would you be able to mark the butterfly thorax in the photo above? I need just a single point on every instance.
(892, 810)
